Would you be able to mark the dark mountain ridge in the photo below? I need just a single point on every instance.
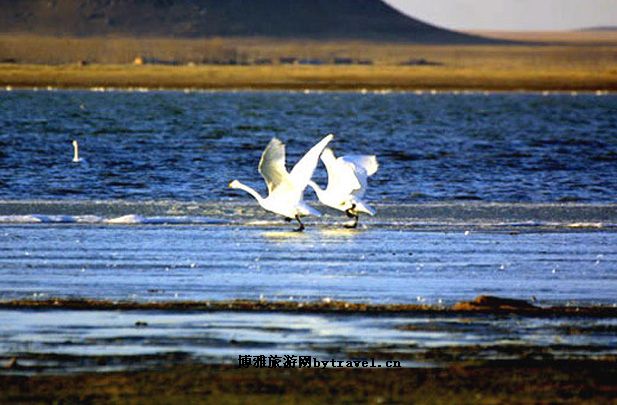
(289, 19)
(600, 28)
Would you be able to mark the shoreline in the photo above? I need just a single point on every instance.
(359, 90)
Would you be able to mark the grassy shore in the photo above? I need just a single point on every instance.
(282, 77)
(584, 61)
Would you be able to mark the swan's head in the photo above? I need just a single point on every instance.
(74, 142)
(234, 184)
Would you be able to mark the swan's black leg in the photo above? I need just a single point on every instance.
(301, 227)
(349, 211)
(355, 217)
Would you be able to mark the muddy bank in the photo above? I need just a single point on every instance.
(481, 304)
(492, 382)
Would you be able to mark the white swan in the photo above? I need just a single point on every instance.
(346, 183)
(286, 190)
(76, 158)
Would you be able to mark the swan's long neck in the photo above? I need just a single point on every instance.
(249, 190)
(75, 152)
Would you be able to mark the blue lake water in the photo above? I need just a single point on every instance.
(160, 158)
(188, 146)
(156, 159)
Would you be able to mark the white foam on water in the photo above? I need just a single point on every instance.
(126, 219)
(137, 219)
(437, 216)
(262, 223)
(130, 219)
(586, 225)
(49, 219)
(163, 220)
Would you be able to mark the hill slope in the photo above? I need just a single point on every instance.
(314, 19)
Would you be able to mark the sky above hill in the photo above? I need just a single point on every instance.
(517, 15)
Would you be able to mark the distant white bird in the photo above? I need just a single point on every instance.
(346, 183)
(286, 190)
(76, 158)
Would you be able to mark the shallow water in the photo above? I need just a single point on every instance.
(108, 340)
(431, 253)
(376, 265)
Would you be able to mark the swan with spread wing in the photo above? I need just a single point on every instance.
(347, 182)
(286, 189)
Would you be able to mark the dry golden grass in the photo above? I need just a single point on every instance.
(574, 66)
(305, 77)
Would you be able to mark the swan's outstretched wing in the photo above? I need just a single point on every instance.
(342, 179)
(366, 162)
(363, 167)
(303, 170)
(272, 164)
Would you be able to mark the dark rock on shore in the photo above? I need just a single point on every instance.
(492, 303)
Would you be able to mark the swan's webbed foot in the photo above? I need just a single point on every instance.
(301, 227)
(288, 219)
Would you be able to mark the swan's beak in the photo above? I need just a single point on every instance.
(231, 184)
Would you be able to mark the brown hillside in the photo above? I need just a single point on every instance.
(297, 19)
